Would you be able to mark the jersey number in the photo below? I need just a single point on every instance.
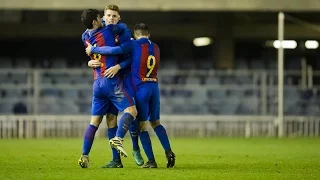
(151, 63)
(96, 56)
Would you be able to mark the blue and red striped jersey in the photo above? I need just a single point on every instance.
(145, 58)
(145, 61)
(103, 37)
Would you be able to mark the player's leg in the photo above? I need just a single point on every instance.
(158, 128)
(134, 133)
(164, 140)
(147, 145)
(111, 118)
(142, 102)
(88, 140)
(125, 121)
(124, 102)
(134, 127)
(99, 107)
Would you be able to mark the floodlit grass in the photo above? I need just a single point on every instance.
(214, 158)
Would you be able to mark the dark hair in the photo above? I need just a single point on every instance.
(141, 29)
(88, 16)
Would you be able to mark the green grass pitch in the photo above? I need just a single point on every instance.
(214, 158)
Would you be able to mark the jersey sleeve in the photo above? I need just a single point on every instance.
(107, 50)
(127, 35)
(117, 28)
(127, 47)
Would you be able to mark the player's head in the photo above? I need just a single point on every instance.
(111, 14)
(91, 19)
(141, 30)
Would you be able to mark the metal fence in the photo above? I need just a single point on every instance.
(53, 126)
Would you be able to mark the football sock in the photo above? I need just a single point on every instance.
(124, 124)
(134, 132)
(163, 137)
(112, 134)
(146, 144)
(88, 139)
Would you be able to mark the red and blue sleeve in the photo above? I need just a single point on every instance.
(108, 50)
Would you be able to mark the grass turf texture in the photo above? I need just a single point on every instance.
(214, 158)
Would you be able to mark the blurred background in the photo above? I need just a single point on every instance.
(218, 73)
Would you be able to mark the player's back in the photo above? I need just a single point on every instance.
(145, 61)
(101, 37)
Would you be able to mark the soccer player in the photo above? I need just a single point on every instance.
(112, 16)
(145, 63)
(105, 90)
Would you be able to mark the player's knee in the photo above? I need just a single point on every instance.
(143, 126)
(132, 110)
(96, 120)
(111, 120)
(154, 124)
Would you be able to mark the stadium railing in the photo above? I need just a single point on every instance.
(73, 126)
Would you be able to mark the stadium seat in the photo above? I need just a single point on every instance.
(6, 62)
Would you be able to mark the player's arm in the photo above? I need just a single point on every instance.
(111, 51)
(125, 48)
(91, 63)
(112, 71)
(127, 34)
(94, 63)
(117, 28)
(108, 50)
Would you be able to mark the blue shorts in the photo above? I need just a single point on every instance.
(112, 109)
(107, 91)
(148, 102)
(127, 81)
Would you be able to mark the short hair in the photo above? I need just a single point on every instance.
(88, 16)
(112, 7)
(141, 29)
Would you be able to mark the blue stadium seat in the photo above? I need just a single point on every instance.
(212, 80)
(6, 108)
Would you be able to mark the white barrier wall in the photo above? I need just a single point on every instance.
(70, 126)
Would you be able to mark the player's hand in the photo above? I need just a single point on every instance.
(88, 48)
(112, 71)
(94, 63)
